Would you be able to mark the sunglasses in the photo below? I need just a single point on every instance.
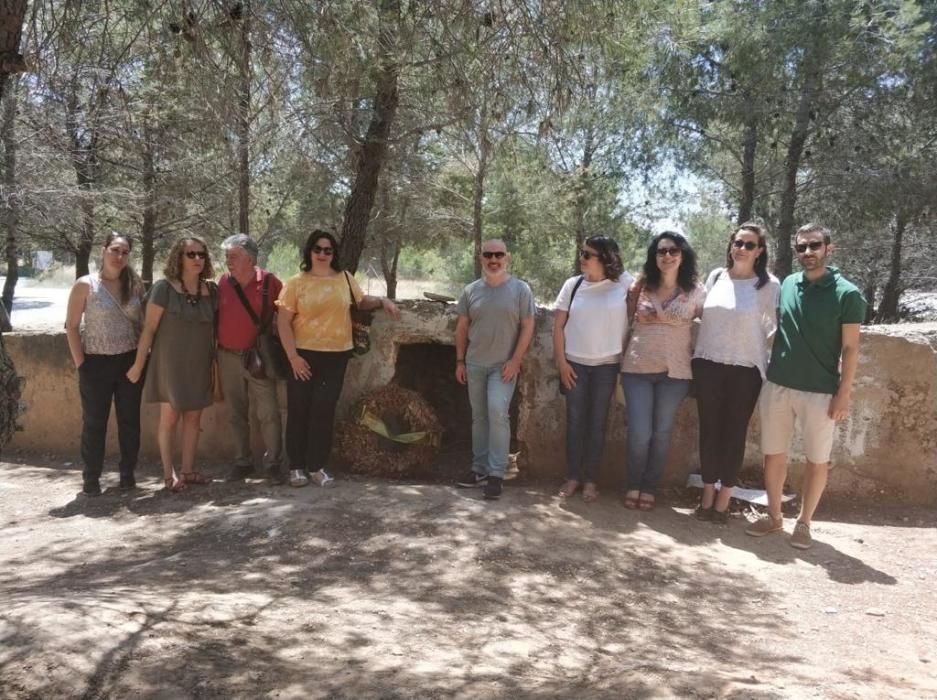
(747, 245)
(672, 252)
(319, 250)
(588, 255)
(497, 254)
(192, 254)
(813, 245)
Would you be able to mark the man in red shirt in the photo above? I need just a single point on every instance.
(237, 334)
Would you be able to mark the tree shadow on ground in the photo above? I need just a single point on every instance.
(377, 589)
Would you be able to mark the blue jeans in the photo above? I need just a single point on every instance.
(586, 417)
(652, 401)
(490, 398)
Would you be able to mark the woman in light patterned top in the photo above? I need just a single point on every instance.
(102, 326)
(656, 366)
(729, 364)
(314, 321)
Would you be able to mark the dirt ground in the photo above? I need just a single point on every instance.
(379, 589)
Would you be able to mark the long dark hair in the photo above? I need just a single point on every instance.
(761, 262)
(609, 254)
(130, 282)
(687, 277)
(306, 265)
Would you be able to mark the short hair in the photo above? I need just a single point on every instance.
(609, 255)
(242, 241)
(173, 269)
(306, 264)
(687, 277)
(814, 228)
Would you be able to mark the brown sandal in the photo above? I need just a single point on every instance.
(630, 502)
(194, 477)
(589, 492)
(646, 504)
(174, 484)
(569, 488)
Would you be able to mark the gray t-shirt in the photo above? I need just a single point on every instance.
(495, 315)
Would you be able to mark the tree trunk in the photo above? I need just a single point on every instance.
(84, 161)
(583, 192)
(244, 124)
(390, 244)
(374, 149)
(8, 199)
(749, 145)
(478, 184)
(891, 294)
(810, 89)
(869, 294)
(150, 213)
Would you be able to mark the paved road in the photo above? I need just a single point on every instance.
(38, 308)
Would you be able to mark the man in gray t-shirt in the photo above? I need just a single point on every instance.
(494, 330)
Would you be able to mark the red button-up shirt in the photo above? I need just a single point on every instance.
(236, 330)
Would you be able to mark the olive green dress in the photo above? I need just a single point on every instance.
(179, 371)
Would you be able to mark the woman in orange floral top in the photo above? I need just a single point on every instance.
(656, 366)
(315, 328)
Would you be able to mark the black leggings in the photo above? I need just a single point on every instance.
(725, 399)
(310, 407)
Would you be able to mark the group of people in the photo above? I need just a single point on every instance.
(161, 346)
(794, 346)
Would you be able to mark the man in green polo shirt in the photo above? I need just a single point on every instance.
(819, 313)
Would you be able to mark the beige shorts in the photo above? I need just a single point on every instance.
(780, 408)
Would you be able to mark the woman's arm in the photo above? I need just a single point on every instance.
(76, 308)
(300, 367)
(368, 303)
(154, 314)
(567, 373)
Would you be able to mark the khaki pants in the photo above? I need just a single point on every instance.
(241, 393)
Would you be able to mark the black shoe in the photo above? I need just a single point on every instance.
(704, 514)
(472, 479)
(91, 489)
(276, 475)
(127, 483)
(239, 472)
(720, 517)
(493, 488)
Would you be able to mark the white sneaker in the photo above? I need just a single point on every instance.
(321, 478)
(298, 477)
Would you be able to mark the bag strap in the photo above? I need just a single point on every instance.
(354, 304)
(571, 297)
(247, 305)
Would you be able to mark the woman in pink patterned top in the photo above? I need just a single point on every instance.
(656, 366)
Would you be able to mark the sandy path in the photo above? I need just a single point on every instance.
(395, 590)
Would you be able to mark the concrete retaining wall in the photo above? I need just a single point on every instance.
(886, 450)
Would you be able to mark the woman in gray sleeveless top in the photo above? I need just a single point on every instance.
(102, 325)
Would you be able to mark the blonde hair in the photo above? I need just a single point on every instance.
(173, 269)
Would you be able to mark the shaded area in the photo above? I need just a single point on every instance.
(386, 590)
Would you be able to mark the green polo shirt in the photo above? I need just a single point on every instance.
(809, 339)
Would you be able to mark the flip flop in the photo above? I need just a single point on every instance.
(630, 502)
(590, 493)
(570, 488)
(645, 504)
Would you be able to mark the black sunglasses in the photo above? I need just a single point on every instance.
(813, 245)
(192, 254)
(747, 245)
(327, 250)
(489, 254)
(671, 251)
(588, 255)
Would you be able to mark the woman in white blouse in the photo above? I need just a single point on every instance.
(589, 325)
(739, 318)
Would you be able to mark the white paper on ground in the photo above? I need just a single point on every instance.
(757, 496)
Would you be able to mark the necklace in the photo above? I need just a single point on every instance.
(190, 299)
